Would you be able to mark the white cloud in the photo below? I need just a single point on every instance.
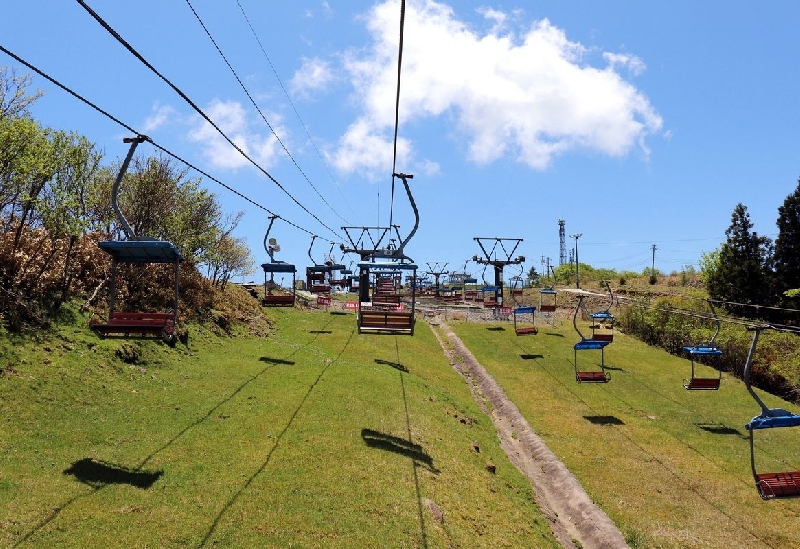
(530, 98)
(315, 74)
(498, 17)
(161, 114)
(631, 62)
(233, 120)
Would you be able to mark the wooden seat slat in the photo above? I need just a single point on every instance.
(703, 383)
(136, 323)
(778, 485)
(277, 299)
(393, 321)
(591, 377)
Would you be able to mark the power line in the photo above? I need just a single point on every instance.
(264, 118)
(156, 145)
(288, 98)
(397, 104)
(177, 90)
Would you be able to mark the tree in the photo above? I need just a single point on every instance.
(233, 258)
(787, 245)
(14, 97)
(533, 276)
(158, 200)
(230, 256)
(742, 274)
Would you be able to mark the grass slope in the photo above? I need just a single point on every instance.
(671, 467)
(312, 437)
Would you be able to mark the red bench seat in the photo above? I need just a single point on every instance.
(280, 300)
(592, 377)
(703, 383)
(137, 323)
(778, 485)
(388, 321)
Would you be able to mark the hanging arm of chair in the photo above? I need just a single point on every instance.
(405, 178)
(716, 319)
(313, 237)
(134, 141)
(266, 237)
(575, 317)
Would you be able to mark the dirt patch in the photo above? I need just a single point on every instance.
(562, 499)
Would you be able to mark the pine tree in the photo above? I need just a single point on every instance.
(743, 274)
(787, 245)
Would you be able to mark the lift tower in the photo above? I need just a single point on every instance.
(491, 258)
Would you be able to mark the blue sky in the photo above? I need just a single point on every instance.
(638, 123)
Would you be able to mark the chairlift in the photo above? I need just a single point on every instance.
(517, 290)
(525, 321)
(317, 275)
(547, 304)
(770, 485)
(137, 250)
(589, 376)
(710, 353)
(387, 313)
(272, 299)
(603, 321)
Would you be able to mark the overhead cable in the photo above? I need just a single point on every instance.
(397, 104)
(197, 109)
(156, 145)
(264, 118)
(289, 99)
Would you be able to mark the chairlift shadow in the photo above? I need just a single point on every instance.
(98, 473)
(338, 313)
(530, 357)
(553, 334)
(320, 331)
(496, 329)
(376, 439)
(604, 420)
(719, 429)
(277, 361)
(395, 365)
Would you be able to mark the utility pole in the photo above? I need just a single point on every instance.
(577, 263)
(562, 258)
(653, 269)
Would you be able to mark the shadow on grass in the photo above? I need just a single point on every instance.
(496, 329)
(395, 365)
(717, 429)
(376, 439)
(553, 334)
(98, 473)
(270, 360)
(339, 313)
(530, 357)
(320, 331)
(604, 420)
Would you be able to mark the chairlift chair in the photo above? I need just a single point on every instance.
(317, 275)
(772, 485)
(603, 321)
(270, 298)
(386, 313)
(547, 304)
(711, 355)
(137, 250)
(525, 321)
(589, 376)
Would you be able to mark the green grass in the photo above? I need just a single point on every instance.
(671, 467)
(312, 437)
